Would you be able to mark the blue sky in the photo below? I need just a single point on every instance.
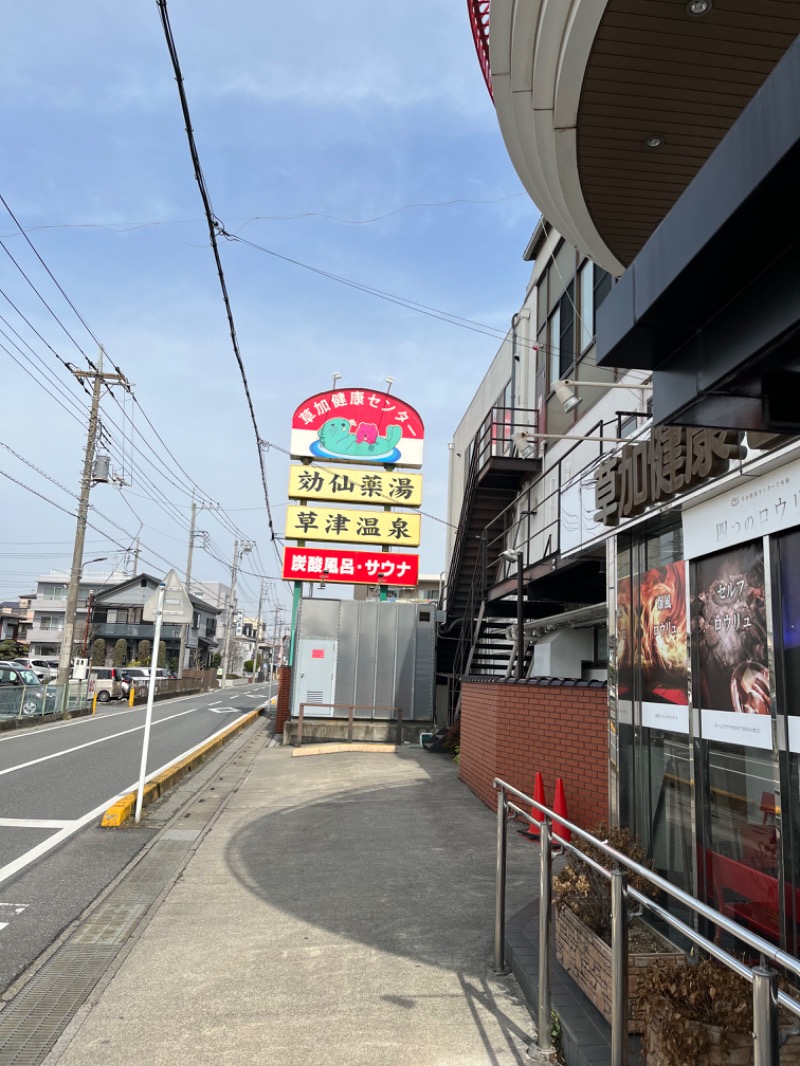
(350, 110)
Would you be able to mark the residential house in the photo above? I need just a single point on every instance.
(116, 614)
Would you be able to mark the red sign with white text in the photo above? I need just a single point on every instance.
(359, 426)
(350, 567)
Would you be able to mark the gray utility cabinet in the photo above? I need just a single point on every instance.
(371, 654)
(315, 667)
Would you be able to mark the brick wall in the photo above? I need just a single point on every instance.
(512, 729)
(283, 708)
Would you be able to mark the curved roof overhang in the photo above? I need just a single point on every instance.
(581, 87)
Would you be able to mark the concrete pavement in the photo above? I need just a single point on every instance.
(336, 911)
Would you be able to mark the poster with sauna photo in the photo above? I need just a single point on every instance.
(663, 654)
(730, 628)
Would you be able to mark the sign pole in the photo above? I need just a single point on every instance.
(151, 691)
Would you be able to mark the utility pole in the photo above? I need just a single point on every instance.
(136, 558)
(258, 628)
(238, 552)
(185, 629)
(99, 379)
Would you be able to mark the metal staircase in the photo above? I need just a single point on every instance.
(473, 638)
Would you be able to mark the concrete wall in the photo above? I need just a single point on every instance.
(562, 653)
(512, 729)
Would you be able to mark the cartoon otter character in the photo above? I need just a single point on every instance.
(336, 437)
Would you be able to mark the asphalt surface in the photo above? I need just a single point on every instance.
(55, 781)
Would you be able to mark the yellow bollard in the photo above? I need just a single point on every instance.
(94, 704)
(131, 695)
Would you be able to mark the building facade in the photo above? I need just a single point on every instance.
(116, 615)
(50, 605)
(699, 515)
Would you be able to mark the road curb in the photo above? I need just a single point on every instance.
(123, 809)
(338, 749)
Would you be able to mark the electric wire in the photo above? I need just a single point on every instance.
(213, 226)
(78, 315)
(128, 227)
(46, 304)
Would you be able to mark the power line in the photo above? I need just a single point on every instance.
(213, 227)
(79, 316)
(127, 227)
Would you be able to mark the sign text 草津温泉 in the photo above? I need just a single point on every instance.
(352, 526)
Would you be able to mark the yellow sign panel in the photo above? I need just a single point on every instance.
(355, 486)
(352, 527)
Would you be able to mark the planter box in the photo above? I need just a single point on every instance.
(739, 1045)
(587, 959)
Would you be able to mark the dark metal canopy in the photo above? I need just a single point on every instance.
(711, 304)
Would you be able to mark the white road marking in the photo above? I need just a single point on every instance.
(88, 719)
(11, 869)
(3, 925)
(224, 710)
(33, 823)
(91, 743)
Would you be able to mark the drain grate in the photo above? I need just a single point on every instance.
(33, 1021)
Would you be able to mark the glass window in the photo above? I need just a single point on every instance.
(586, 302)
(561, 272)
(553, 345)
(566, 342)
(602, 286)
(541, 299)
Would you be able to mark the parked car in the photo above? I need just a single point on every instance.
(107, 682)
(44, 670)
(140, 675)
(22, 693)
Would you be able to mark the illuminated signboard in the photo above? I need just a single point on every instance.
(355, 486)
(352, 526)
(358, 426)
(350, 567)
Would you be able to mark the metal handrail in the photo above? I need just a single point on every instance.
(351, 708)
(766, 995)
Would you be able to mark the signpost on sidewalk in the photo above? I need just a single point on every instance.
(168, 601)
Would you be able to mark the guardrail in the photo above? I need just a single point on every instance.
(767, 997)
(351, 709)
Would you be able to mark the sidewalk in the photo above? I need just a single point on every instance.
(338, 911)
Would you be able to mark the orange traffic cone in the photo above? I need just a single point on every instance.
(532, 832)
(560, 807)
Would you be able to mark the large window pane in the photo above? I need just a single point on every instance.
(554, 342)
(567, 339)
(602, 286)
(586, 305)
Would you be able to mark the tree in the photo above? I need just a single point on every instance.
(216, 660)
(145, 652)
(248, 666)
(12, 649)
(119, 656)
(162, 654)
(98, 652)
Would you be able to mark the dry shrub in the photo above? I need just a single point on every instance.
(587, 893)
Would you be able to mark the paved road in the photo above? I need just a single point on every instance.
(56, 780)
